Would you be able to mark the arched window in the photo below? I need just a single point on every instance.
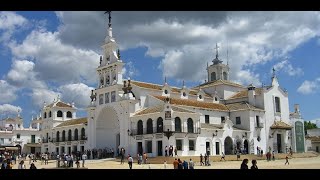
(76, 134)
(140, 127)
(59, 114)
(69, 114)
(177, 124)
(190, 125)
(225, 76)
(213, 76)
(83, 134)
(18, 136)
(58, 136)
(149, 126)
(63, 136)
(159, 125)
(69, 135)
(277, 101)
(45, 115)
(50, 114)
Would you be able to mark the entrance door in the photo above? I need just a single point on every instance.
(208, 148)
(159, 148)
(57, 150)
(217, 148)
(140, 150)
(69, 150)
(33, 150)
(117, 140)
(246, 147)
(279, 143)
(317, 149)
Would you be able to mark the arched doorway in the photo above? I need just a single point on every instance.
(246, 146)
(19, 148)
(107, 129)
(238, 145)
(228, 146)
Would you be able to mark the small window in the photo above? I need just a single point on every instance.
(166, 91)
(18, 125)
(207, 120)
(200, 97)
(179, 144)
(18, 136)
(191, 145)
(223, 119)
(50, 114)
(113, 96)
(106, 98)
(184, 94)
(238, 120)
(45, 115)
(149, 146)
(9, 139)
(258, 120)
(100, 99)
(69, 114)
(59, 114)
(277, 101)
(215, 98)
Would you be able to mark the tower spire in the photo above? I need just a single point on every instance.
(273, 72)
(109, 12)
(217, 52)
(227, 54)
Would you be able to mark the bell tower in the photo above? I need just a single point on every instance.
(110, 68)
(217, 70)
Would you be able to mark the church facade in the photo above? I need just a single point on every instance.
(219, 116)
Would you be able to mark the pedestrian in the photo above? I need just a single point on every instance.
(273, 158)
(32, 166)
(223, 157)
(244, 164)
(165, 164)
(84, 157)
(287, 160)
(191, 164)
(238, 155)
(78, 163)
(201, 160)
(21, 165)
(254, 164)
(130, 161)
(166, 151)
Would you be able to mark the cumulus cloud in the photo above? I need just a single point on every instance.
(309, 87)
(41, 95)
(22, 74)
(10, 22)
(8, 109)
(78, 93)
(183, 39)
(55, 61)
(287, 67)
(7, 92)
(129, 70)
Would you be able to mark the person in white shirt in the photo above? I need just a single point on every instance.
(84, 157)
(130, 161)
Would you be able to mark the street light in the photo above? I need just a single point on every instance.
(168, 133)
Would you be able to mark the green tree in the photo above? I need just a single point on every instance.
(309, 125)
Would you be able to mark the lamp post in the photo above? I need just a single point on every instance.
(168, 133)
(215, 134)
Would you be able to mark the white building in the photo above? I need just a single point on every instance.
(14, 137)
(214, 117)
(313, 140)
(61, 132)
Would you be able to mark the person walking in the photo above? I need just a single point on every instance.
(223, 157)
(191, 164)
(244, 164)
(21, 165)
(287, 160)
(130, 161)
(254, 164)
(84, 158)
(273, 158)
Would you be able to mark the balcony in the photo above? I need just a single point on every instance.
(259, 125)
(69, 139)
(134, 132)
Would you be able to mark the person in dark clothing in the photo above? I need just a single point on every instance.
(185, 165)
(32, 166)
(180, 166)
(244, 164)
(287, 160)
(201, 160)
(254, 164)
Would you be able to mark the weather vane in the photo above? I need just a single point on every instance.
(109, 12)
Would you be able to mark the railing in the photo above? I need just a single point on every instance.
(259, 125)
(155, 130)
(72, 138)
(30, 141)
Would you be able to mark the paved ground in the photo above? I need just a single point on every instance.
(295, 163)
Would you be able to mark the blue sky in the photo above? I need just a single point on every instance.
(46, 54)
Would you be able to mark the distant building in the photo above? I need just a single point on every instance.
(313, 140)
(14, 137)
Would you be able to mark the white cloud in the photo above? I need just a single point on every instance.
(41, 95)
(129, 70)
(7, 92)
(287, 67)
(309, 87)
(22, 75)
(185, 40)
(77, 93)
(8, 109)
(10, 22)
(55, 61)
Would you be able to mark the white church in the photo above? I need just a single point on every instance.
(214, 117)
